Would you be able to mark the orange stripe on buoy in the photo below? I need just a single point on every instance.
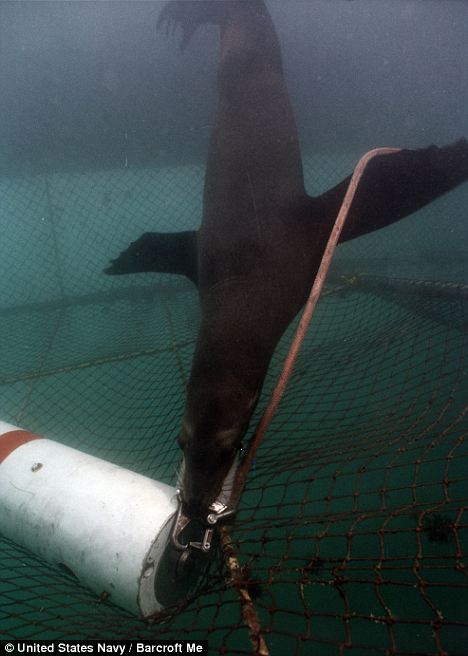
(12, 440)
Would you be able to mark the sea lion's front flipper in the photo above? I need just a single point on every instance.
(394, 186)
(163, 252)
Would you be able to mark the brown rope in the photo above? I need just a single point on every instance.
(237, 580)
(305, 319)
(248, 610)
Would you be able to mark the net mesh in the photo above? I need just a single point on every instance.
(351, 533)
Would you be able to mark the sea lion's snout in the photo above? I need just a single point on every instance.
(207, 464)
(216, 419)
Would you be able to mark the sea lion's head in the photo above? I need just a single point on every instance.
(238, 334)
(217, 415)
(211, 436)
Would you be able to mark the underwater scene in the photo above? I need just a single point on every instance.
(221, 135)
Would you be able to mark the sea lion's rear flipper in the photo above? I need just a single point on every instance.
(394, 186)
(189, 15)
(163, 252)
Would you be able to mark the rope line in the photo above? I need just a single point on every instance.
(248, 611)
(306, 317)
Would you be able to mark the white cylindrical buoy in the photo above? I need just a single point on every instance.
(107, 525)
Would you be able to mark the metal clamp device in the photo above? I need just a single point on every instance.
(190, 542)
(219, 512)
(191, 537)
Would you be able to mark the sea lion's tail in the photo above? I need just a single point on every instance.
(190, 14)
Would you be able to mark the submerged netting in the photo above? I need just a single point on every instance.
(351, 533)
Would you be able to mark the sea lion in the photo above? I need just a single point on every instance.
(261, 237)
